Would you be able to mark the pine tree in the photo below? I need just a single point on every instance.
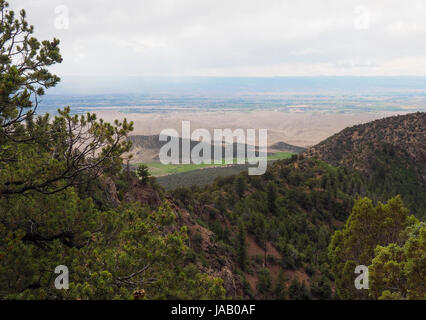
(242, 247)
(366, 228)
(272, 197)
(240, 186)
(143, 173)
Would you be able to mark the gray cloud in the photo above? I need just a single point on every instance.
(236, 37)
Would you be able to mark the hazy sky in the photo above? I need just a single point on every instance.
(234, 37)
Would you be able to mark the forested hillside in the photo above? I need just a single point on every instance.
(390, 152)
(275, 228)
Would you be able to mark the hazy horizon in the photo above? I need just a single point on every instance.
(92, 85)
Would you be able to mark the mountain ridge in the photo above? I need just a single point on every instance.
(389, 152)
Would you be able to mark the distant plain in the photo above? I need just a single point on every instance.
(297, 110)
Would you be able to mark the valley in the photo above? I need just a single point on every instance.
(200, 150)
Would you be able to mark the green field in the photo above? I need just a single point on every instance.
(158, 169)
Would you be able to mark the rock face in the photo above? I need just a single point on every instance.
(218, 263)
(110, 190)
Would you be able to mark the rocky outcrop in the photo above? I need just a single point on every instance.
(110, 191)
(218, 263)
(145, 194)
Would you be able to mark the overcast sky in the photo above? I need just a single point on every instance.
(234, 37)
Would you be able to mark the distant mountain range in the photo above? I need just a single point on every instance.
(147, 148)
(285, 147)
